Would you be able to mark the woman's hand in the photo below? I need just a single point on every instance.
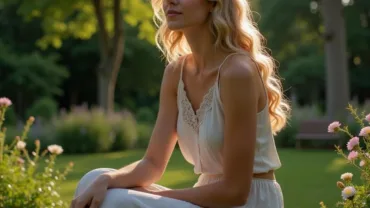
(94, 195)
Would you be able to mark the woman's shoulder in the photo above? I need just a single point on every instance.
(175, 66)
(239, 66)
(172, 71)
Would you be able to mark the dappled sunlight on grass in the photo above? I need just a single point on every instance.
(309, 176)
(124, 154)
(337, 164)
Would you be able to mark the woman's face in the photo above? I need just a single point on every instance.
(181, 14)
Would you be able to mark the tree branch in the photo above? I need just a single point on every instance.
(103, 34)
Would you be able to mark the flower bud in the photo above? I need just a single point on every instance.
(37, 143)
(31, 119)
(340, 185)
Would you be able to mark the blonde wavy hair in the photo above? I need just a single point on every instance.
(234, 30)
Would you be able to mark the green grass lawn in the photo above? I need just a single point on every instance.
(306, 177)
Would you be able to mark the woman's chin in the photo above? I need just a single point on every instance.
(175, 26)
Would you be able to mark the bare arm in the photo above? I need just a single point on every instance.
(150, 169)
(239, 93)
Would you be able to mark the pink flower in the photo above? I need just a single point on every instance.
(352, 155)
(367, 118)
(333, 127)
(5, 102)
(353, 142)
(365, 131)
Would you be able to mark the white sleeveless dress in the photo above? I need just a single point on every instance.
(200, 137)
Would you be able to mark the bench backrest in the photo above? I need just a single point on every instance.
(314, 126)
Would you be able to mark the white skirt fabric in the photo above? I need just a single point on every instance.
(264, 194)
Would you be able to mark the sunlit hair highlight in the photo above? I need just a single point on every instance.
(234, 30)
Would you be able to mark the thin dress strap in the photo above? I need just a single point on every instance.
(260, 75)
(219, 68)
(182, 67)
(180, 85)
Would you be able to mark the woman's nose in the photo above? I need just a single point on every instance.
(171, 1)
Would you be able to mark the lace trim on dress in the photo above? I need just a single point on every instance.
(195, 119)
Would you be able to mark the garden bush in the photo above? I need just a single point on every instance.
(82, 131)
(144, 134)
(45, 108)
(125, 129)
(43, 133)
(24, 181)
(146, 115)
(286, 137)
(90, 131)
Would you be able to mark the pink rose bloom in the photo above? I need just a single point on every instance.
(352, 143)
(367, 118)
(333, 127)
(352, 155)
(5, 102)
(365, 131)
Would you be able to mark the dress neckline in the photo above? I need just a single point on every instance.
(194, 117)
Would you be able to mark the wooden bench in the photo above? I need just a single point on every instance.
(314, 130)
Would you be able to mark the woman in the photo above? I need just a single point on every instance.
(221, 100)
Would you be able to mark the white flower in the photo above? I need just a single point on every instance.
(54, 193)
(21, 145)
(55, 149)
(346, 176)
(362, 163)
(348, 192)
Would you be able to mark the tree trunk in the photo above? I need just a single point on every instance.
(337, 86)
(104, 91)
(111, 55)
(107, 79)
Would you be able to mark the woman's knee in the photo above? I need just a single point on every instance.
(116, 198)
(89, 178)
